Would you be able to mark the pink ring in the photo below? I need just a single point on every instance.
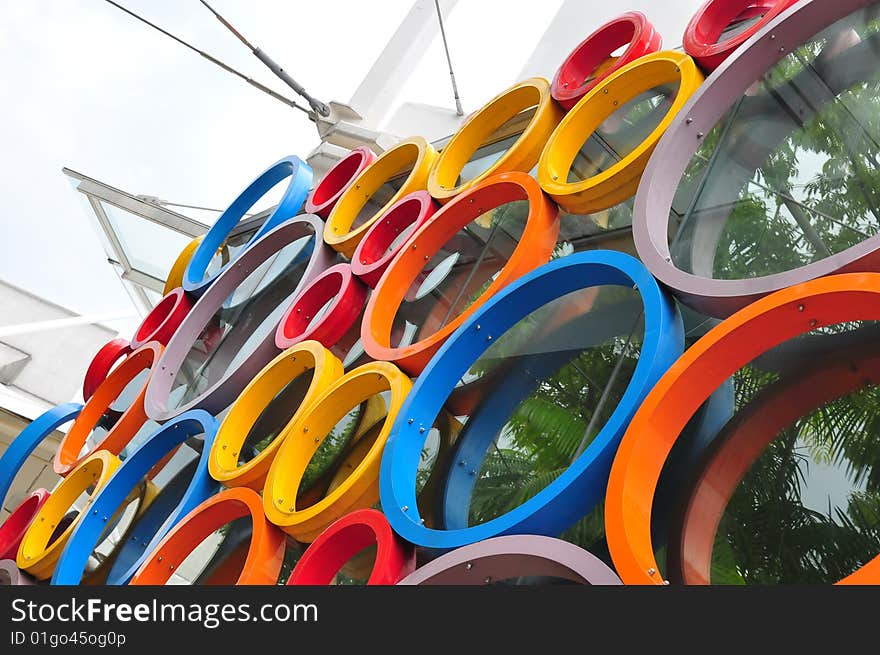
(347, 296)
(573, 79)
(373, 254)
(323, 197)
(162, 322)
(16, 524)
(102, 362)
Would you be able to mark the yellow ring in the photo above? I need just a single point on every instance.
(414, 154)
(290, 364)
(304, 436)
(620, 181)
(35, 554)
(479, 129)
(178, 268)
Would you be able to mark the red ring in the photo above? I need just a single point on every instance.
(372, 255)
(323, 197)
(572, 80)
(707, 25)
(16, 524)
(742, 441)
(110, 353)
(395, 558)
(164, 319)
(348, 295)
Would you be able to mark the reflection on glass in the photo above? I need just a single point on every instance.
(275, 416)
(789, 175)
(245, 319)
(381, 197)
(230, 249)
(808, 510)
(459, 273)
(219, 557)
(150, 247)
(544, 390)
(496, 145)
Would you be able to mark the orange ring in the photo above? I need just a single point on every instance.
(414, 154)
(534, 249)
(725, 349)
(265, 554)
(132, 419)
(818, 380)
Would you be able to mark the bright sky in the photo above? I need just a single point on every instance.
(88, 87)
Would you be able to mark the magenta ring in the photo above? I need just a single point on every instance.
(680, 143)
(347, 296)
(374, 252)
(324, 196)
(221, 394)
(12, 576)
(162, 322)
(16, 524)
(512, 556)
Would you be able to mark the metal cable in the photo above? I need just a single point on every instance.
(217, 62)
(458, 110)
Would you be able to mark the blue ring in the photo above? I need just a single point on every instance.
(28, 440)
(87, 533)
(580, 488)
(300, 173)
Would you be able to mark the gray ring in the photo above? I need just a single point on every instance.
(219, 395)
(511, 556)
(12, 576)
(679, 144)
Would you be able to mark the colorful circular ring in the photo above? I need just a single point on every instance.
(13, 528)
(347, 537)
(414, 154)
(26, 442)
(38, 552)
(87, 533)
(196, 278)
(265, 553)
(726, 348)
(620, 181)
(591, 61)
(103, 361)
(324, 311)
(384, 240)
(703, 37)
(178, 268)
(535, 248)
(162, 322)
(132, 419)
(223, 463)
(223, 392)
(12, 576)
(682, 140)
(812, 384)
(358, 490)
(582, 485)
(522, 155)
(327, 192)
(513, 556)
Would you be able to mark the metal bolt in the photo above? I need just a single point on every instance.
(489, 338)
(171, 568)
(160, 558)
(813, 322)
(93, 512)
(224, 446)
(410, 421)
(772, 37)
(414, 246)
(689, 120)
(781, 49)
(555, 177)
(479, 327)
(487, 579)
(305, 429)
(405, 508)
(800, 308)
(422, 521)
(700, 135)
(666, 583)
(651, 571)
(461, 462)
(615, 103)
(422, 430)
(473, 472)
(605, 91)
(105, 519)
(469, 566)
